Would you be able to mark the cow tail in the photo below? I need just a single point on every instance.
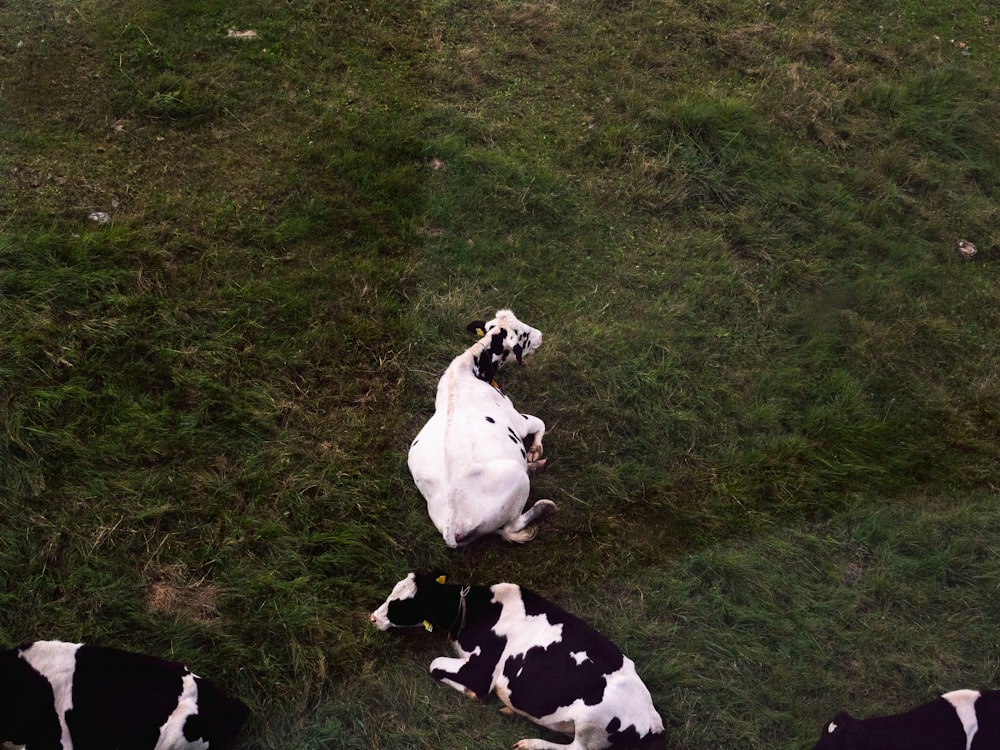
(519, 537)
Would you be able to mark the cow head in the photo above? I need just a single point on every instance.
(836, 733)
(412, 602)
(502, 337)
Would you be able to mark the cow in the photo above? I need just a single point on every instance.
(70, 696)
(542, 662)
(472, 458)
(959, 720)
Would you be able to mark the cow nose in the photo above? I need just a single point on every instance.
(371, 618)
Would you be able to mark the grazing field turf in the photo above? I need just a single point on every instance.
(239, 243)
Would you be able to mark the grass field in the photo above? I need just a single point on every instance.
(771, 383)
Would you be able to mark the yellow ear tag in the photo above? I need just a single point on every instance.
(428, 626)
(441, 579)
(480, 332)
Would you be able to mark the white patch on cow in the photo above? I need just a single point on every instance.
(522, 631)
(964, 702)
(579, 656)
(405, 589)
(172, 731)
(628, 698)
(832, 728)
(56, 662)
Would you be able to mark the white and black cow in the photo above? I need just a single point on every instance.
(68, 696)
(471, 460)
(541, 661)
(960, 720)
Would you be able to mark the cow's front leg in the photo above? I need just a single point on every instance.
(533, 429)
(446, 669)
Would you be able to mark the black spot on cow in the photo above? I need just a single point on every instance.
(224, 713)
(545, 678)
(496, 342)
(107, 678)
(406, 612)
(629, 739)
(489, 360)
(27, 711)
(491, 420)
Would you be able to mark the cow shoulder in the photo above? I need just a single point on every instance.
(476, 628)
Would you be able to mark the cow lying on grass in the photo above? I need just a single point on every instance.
(471, 460)
(541, 661)
(960, 720)
(61, 696)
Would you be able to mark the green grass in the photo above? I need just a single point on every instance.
(770, 383)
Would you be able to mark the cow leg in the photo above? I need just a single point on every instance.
(535, 429)
(445, 669)
(537, 467)
(584, 737)
(536, 744)
(518, 530)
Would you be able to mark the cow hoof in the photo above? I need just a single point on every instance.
(537, 467)
(545, 507)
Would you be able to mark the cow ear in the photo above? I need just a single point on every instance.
(478, 327)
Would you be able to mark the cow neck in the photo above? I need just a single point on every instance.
(457, 624)
(485, 365)
(461, 614)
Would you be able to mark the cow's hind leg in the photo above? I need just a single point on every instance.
(584, 737)
(536, 744)
(520, 529)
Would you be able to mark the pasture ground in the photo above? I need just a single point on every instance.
(233, 266)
